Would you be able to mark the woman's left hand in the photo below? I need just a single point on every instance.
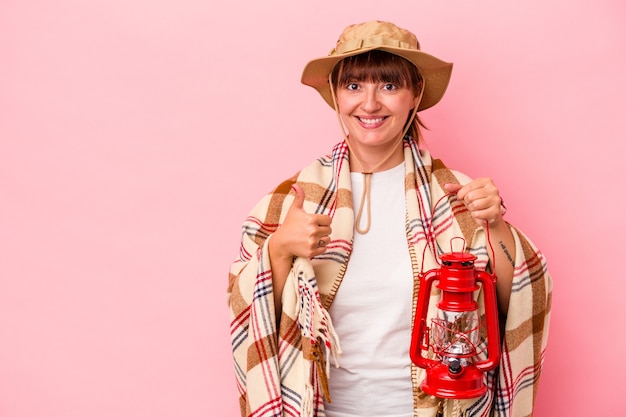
(482, 199)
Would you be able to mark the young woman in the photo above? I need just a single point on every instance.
(330, 259)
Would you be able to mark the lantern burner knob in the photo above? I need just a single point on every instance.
(454, 367)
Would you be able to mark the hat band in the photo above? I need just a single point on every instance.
(356, 44)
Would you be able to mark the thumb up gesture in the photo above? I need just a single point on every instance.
(301, 234)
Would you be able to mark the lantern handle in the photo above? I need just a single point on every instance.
(488, 282)
(493, 254)
(457, 238)
(421, 344)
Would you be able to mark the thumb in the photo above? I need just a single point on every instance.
(298, 201)
(452, 188)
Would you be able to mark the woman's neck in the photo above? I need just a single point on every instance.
(376, 160)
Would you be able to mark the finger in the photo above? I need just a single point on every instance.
(475, 203)
(322, 231)
(325, 230)
(479, 185)
(298, 201)
(502, 208)
(481, 215)
(461, 191)
(323, 220)
(452, 188)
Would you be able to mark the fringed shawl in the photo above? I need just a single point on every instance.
(283, 371)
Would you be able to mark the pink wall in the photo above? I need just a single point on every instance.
(135, 135)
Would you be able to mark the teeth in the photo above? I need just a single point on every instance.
(371, 121)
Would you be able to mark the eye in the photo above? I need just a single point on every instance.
(389, 87)
(352, 86)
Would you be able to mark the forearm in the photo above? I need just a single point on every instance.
(504, 260)
(281, 265)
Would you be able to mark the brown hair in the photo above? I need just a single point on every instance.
(381, 66)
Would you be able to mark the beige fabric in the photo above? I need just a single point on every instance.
(282, 372)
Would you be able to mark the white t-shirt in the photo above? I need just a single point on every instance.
(371, 311)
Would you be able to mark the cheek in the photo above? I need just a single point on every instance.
(404, 107)
(345, 105)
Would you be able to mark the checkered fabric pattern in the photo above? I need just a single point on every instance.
(281, 369)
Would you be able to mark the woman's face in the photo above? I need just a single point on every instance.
(374, 113)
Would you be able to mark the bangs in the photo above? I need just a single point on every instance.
(377, 66)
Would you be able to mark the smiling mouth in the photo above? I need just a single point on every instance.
(371, 121)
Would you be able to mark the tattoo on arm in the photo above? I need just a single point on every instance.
(506, 252)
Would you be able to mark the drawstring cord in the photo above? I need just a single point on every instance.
(367, 175)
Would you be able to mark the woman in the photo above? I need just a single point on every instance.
(329, 260)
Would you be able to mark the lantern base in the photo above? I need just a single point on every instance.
(440, 382)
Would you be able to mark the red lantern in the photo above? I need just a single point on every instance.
(455, 333)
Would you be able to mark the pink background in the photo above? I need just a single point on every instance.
(136, 135)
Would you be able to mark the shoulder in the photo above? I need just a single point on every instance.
(461, 177)
(313, 172)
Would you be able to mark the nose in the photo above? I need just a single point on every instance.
(371, 102)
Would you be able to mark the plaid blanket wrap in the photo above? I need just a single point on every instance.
(283, 371)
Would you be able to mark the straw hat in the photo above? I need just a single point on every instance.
(384, 36)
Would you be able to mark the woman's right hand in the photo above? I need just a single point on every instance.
(301, 234)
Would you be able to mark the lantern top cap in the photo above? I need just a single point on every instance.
(458, 257)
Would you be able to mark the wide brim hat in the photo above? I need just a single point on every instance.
(384, 36)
